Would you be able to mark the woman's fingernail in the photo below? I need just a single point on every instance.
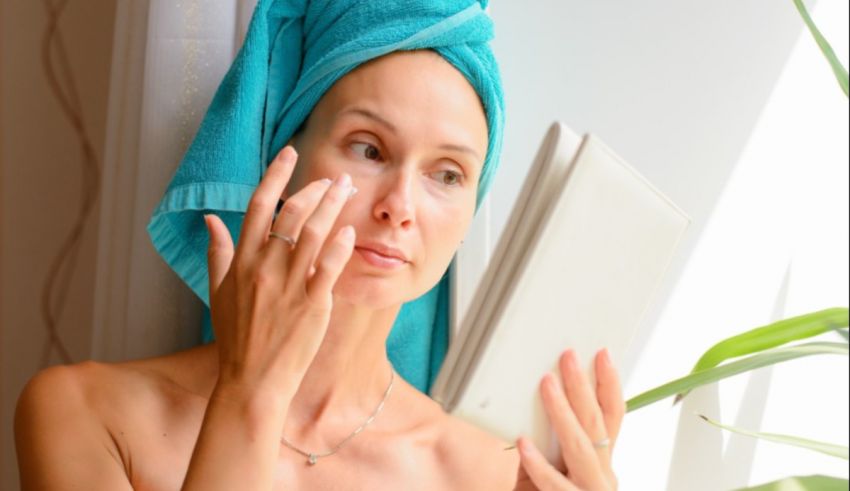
(549, 381)
(285, 154)
(325, 181)
(606, 357)
(525, 446)
(570, 360)
(521, 445)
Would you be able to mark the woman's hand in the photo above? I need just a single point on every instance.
(270, 301)
(586, 422)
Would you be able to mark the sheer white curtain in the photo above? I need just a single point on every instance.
(168, 58)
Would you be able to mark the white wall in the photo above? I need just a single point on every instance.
(40, 182)
(690, 93)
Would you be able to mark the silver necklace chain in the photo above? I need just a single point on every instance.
(312, 457)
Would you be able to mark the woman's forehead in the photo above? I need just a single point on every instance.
(402, 84)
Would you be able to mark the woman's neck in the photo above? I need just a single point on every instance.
(347, 378)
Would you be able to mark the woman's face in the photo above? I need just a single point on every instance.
(411, 132)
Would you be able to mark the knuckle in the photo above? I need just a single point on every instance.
(311, 234)
(319, 311)
(241, 270)
(262, 279)
(316, 310)
(259, 202)
(328, 263)
(595, 420)
(334, 198)
(292, 207)
(574, 443)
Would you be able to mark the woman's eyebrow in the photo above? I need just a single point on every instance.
(383, 122)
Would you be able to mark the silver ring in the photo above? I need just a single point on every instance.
(288, 240)
(602, 443)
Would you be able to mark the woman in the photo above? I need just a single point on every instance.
(298, 391)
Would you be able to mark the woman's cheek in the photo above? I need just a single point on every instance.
(456, 216)
(444, 229)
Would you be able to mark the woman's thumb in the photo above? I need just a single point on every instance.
(220, 251)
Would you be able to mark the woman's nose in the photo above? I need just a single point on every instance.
(396, 206)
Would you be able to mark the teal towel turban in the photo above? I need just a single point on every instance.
(293, 53)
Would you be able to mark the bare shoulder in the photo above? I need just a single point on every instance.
(60, 440)
(474, 459)
(98, 390)
(70, 419)
(68, 393)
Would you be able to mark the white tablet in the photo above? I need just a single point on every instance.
(582, 255)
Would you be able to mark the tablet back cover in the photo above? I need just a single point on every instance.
(542, 185)
(589, 275)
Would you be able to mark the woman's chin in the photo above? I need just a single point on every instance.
(369, 291)
(363, 286)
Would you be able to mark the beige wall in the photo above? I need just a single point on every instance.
(40, 182)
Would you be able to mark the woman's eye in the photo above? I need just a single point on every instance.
(450, 178)
(371, 152)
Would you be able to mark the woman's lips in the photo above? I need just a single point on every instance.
(376, 259)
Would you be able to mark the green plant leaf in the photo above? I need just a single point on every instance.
(771, 336)
(752, 362)
(803, 483)
(843, 334)
(826, 448)
(837, 68)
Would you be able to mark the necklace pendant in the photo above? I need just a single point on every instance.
(311, 459)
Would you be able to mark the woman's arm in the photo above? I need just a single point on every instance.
(238, 444)
(60, 442)
(270, 303)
